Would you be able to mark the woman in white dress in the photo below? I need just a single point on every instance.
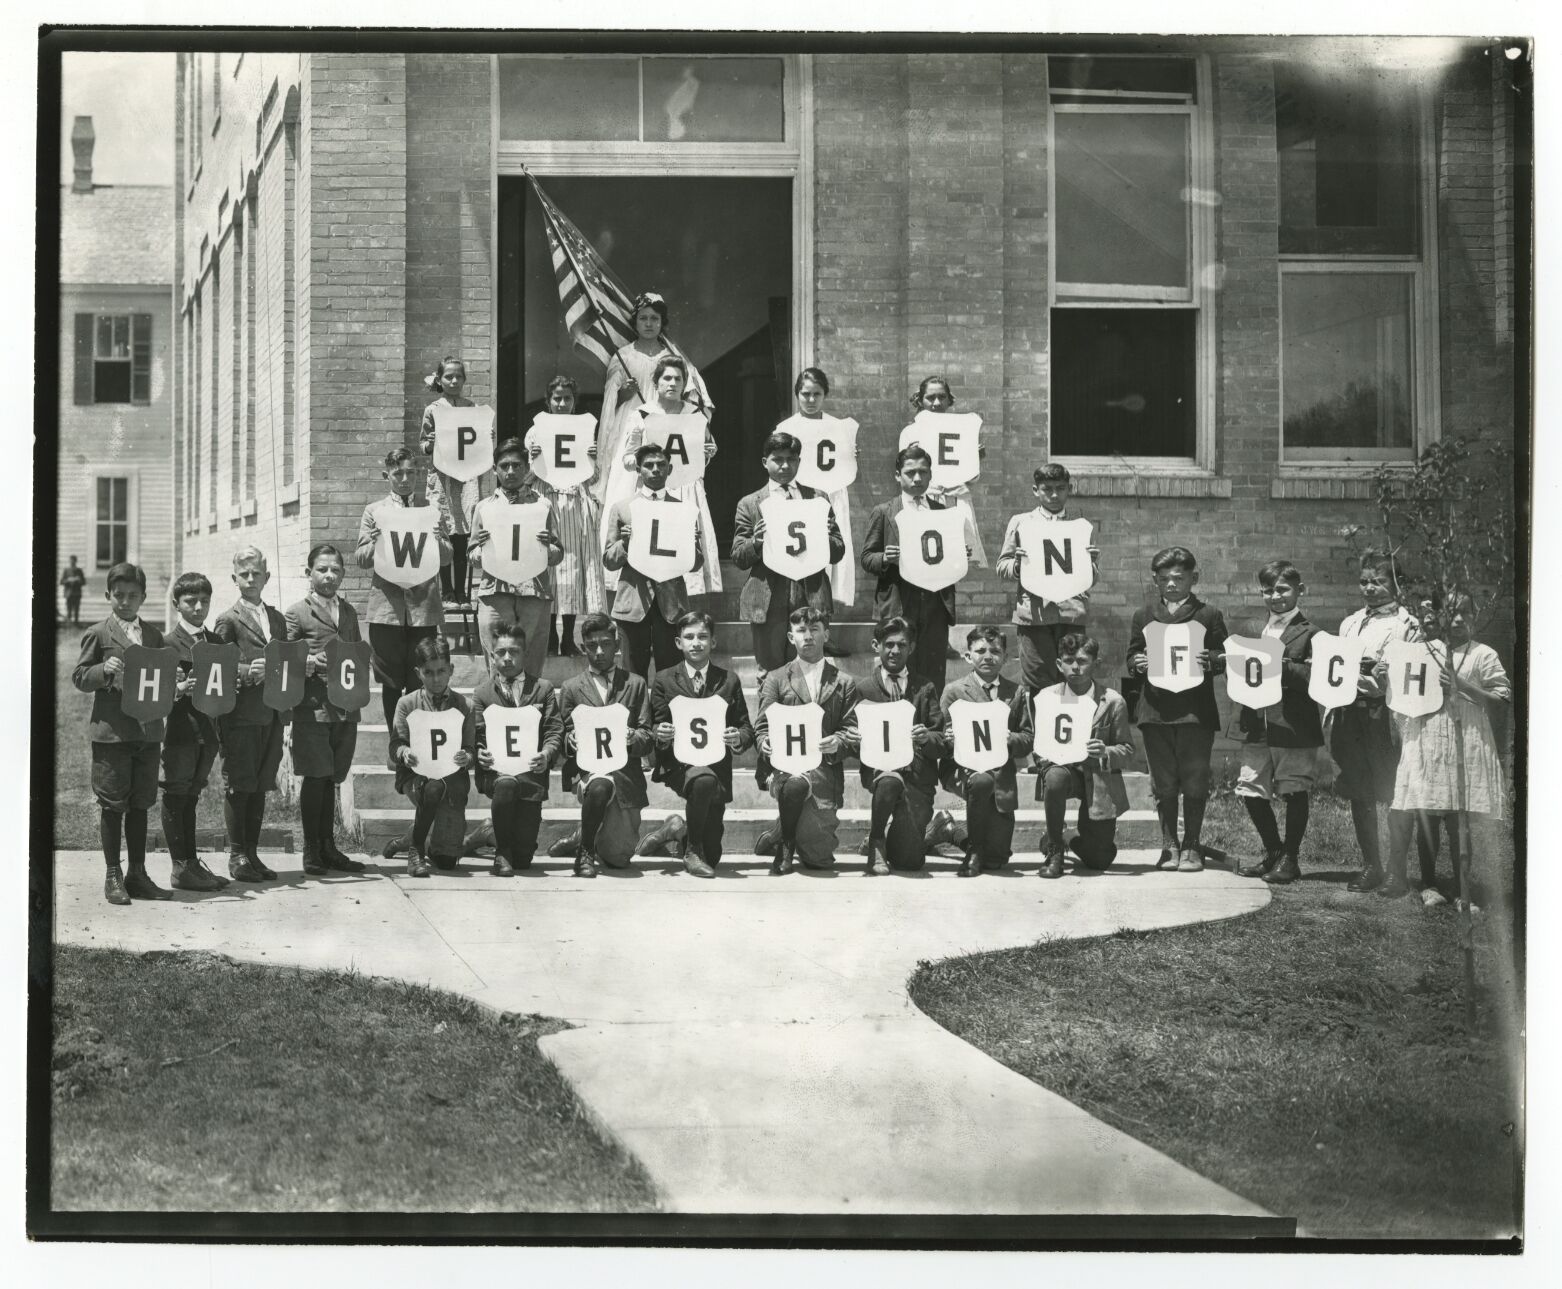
(631, 383)
(669, 379)
(812, 388)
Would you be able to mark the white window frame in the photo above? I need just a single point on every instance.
(132, 477)
(129, 359)
(1201, 255)
(1421, 269)
(791, 159)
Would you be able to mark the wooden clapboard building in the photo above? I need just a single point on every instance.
(1221, 281)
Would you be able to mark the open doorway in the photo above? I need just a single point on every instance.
(718, 248)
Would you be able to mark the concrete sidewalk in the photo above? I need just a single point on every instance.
(750, 1039)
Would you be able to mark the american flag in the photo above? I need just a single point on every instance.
(598, 311)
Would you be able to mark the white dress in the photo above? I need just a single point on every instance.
(1428, 774)
(843, 575)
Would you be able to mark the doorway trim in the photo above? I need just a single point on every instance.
(793, 159)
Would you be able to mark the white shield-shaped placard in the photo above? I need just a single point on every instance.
(795, 733)
(932, 547)
(885, 729)
(953, 440)
(1173, 649)
(512, 552)
(562, 460)
(683, 436)
(662, 537)
(463, 440)
(513, 736)
(435, 738)
(601, 738)
(1253, 670)
(407, 552)
(1415, 678)
(980, 732)
(829, 457)
(1336, 669)
(797, 535)
(1057, 557)
(699, 726)
(1063, 720)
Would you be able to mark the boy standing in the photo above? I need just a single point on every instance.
(528, 605)
(251, 734)
(706, 788)
(768, 597)
(124, 751)
(645, 610)
(927, 613)
(610, 804)
(190, 740)
(1178, 727)
(399, 616)
(1097, 781)
(991, 796)
(808, 804)
(1281, 743)
(1042, 623)
(902, 799)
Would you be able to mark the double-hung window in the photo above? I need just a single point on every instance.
(113, 358)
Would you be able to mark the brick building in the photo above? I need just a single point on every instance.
(1221, 281)
(115, 396)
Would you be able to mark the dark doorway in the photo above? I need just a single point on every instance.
(719, 249)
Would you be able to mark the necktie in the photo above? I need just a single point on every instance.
(699, 684)
(133, 631)
(787, 492)
(992, 693)
(894, 688)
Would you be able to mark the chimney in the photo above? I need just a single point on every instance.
(82, 139)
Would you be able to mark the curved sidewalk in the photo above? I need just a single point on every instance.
(749, 1039)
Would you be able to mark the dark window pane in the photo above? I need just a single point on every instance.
(119, 537)
(1123, 215)
(119, 500)
(569, 98)
(1123, 381)
(706, 100)
(1141, 75)
(1346, 140)
(1347, 367)
(111, 382)
(104, 554)
(105, 495)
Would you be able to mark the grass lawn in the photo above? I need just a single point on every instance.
(1312, 1057)
(185, 1081)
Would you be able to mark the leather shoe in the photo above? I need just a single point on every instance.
(139, 886)
(669, 839)
(878, 865)
(1395, 888)
(565, 847)
(1190, 861)
(1053, 866)
(1285, 874)
(971, 866)
(241, 870)
(767, 841)
(417, 866)
(586, 864)
(114, 885)
(195, 876)
(502, 867)
(1168, 858)
(694, 863)
(1272, 860)
(259, 865)
(834, 650)
(1369, 879)
(781, 865)
(395, 846)
(337, 862)
(314, 866)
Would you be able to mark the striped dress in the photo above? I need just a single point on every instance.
(578, 586)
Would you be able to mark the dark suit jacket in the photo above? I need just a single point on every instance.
(305, 622)
(531, 691)
(1006, 796)
(1106, 795)
(922, 773)
(235, 626)
(630, 691)
(838, 698)
(1151, 706)
(185, 724)
(763, 585)
(1294, 720)
(894, 597)
(673, 681)
(108, 722)
(636, 591)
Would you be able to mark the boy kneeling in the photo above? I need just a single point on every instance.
(1097, 781)
(439, 823)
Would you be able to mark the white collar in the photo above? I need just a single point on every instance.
(908, 502)
(181, 625)
(1175, 606)
(695, 673)
(1285, 618)
(780, 489)
(1057, 516)
(903, 680)
(643, 491)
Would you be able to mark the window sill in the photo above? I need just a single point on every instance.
(288, 493)
(1357, 482)
(1149, 483)
(248, 509)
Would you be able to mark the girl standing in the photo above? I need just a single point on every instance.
(448, 379)
(577, 585)
(935, 395)
(812, 388)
